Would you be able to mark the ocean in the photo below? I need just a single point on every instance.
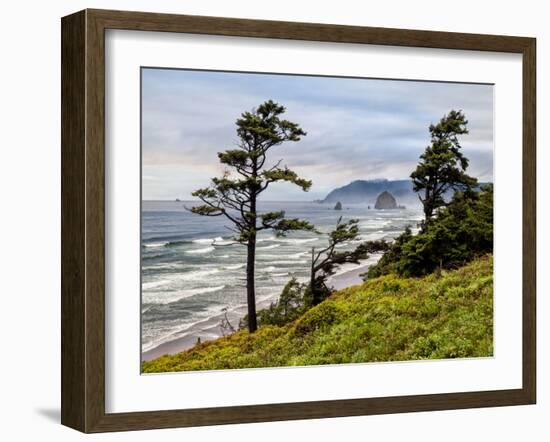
(192, 273)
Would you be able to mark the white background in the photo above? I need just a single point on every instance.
(128, 391)
(30, 221)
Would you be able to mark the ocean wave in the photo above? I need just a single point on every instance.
(156, 338)
(272, 246)
(207, 240)
(370, 224)
(296, 255)
(288, 262)
(164, 298)
(145, 286)
(200, 251)
(163, 266)
(234, 267)
(155, 244)
(269, 257)
(196, 275)
(175, 243)
(372, 236)
(149, 257)
(225, 243)
(295, 240)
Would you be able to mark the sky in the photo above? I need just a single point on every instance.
(357, 128)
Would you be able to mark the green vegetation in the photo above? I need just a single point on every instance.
(326, 260)
(389, 318)
(459, 232)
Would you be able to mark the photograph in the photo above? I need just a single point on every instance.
(299, 220)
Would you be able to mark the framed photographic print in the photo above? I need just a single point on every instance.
(268, 220)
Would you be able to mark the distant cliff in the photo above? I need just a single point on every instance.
(366, 191)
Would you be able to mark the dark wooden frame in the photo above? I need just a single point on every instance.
(83, 220)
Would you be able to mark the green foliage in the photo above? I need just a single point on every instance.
(385, 319)
(292, 303)
(387, 263)
(442, 165)
(460, 232)
(325, 261)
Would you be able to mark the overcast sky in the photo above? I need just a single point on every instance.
(356, 128)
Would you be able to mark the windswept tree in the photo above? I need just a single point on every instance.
(442, 166)
(326, 260)
(235, 194)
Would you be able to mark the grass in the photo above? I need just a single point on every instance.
(384, 319)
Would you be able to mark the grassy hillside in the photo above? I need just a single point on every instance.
(384, 319)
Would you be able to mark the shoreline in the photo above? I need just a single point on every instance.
(209, 329)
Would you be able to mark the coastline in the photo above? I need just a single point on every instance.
(209, 329)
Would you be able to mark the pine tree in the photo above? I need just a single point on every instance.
(442, 166)
(235, 194)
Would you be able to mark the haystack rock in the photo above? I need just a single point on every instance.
(338, 206)
(385, 201)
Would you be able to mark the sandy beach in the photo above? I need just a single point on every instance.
(349, 275)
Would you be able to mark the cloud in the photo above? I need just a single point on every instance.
(356, 128)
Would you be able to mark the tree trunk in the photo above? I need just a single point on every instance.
(250, 288)
(312, 277)
(428, 206)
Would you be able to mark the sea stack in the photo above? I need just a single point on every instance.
(385, 201)
(338, 206)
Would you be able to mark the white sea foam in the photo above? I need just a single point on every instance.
(297, 255)
(155, 244)
(296, 240)
(288, 261)
(207, 240)
(372, 236)
(220, 242)
(159, 337)
(170, 297)
(163, 266)
(272, 246)
(154, 284)
(269, 257)
(234, 267)
(196, 275)
(200, 251)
